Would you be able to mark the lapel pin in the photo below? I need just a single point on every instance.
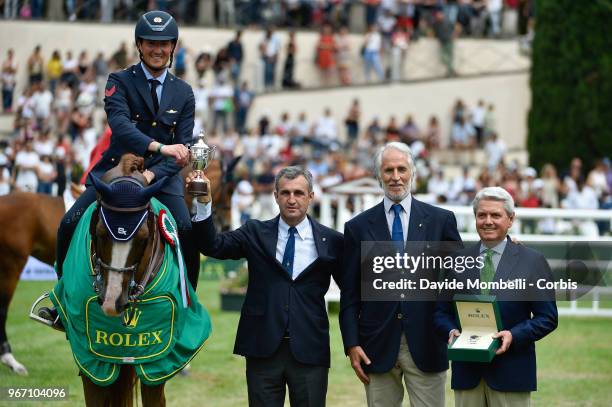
(171, 111)
(420, 225)
(323, 239)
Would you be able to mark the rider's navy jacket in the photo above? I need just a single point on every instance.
(129, 108)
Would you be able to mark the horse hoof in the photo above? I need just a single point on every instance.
(9, 360)
(20, 370)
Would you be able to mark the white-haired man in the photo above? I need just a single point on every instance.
(388, 341)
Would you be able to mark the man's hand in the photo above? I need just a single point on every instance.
(453, 334)
(178, 151)
(201, 198)
(149, 175)
(357, 355)
(506, 338)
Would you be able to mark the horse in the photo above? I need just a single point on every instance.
(124, 268)
(30, 223)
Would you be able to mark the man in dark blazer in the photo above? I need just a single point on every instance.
(527, 315)
(390, 340)
(283, 330)
(150, 113)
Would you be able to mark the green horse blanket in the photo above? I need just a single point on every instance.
(159, 333)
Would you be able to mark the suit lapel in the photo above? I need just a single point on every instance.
(507, 262)
(142, 86)
(321, 241)
(378, 224)
(167, 93)
(417, 222)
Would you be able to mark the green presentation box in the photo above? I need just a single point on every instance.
(479, 318)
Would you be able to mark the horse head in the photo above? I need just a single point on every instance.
(125, 240)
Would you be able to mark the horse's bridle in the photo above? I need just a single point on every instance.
(135, 289)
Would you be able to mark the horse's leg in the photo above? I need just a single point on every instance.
(10, 269)
(118, 394)
(153, 395)
(95, 396)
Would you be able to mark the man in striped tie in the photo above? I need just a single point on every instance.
(527, 315)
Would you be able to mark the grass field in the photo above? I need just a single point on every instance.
(574, 362)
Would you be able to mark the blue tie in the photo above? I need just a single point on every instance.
(290, 252)
(397, 234)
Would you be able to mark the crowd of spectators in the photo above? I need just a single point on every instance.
(476, 17)
(55, 124)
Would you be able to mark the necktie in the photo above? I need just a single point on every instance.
(397, 234)
(488, 270)
(154, 84)
(290, 251)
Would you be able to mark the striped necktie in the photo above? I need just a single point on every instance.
(488, 270)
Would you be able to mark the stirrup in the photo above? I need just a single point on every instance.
(34, 314)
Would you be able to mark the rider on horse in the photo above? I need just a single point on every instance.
(151, 114)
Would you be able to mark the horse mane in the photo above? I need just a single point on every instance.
(129, 165)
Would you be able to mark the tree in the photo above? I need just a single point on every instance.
(571, 83)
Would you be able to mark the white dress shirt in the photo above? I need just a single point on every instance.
(305, 249)
(404, 215)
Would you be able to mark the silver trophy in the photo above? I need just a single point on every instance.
(200, 156)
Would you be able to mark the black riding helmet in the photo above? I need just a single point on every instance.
(157, 26)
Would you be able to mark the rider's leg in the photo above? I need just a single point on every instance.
(68, 226)
(64, 235)
(176, 205)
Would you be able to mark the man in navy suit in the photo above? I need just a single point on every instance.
(511, 375)
(150, 113)
(390, 340)
(283, 330)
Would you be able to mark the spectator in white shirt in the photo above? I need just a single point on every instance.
(269, 49)
(494, 9)
(202, 104)
(221, 96)
(371, 53)
(478, 121)
(462, 134)
(325, 131)
(46, 175)
(437, 185)
(495, 150)
(26, 167)
(243, 199)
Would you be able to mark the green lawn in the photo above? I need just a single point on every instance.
(574, 363)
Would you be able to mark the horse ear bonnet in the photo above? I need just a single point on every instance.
(124, 205)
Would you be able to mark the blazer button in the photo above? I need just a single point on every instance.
(137, 116)
(112, 160)
(154, 124)
(399, 316)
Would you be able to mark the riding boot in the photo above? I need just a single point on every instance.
(50, 314)
(191, 256)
